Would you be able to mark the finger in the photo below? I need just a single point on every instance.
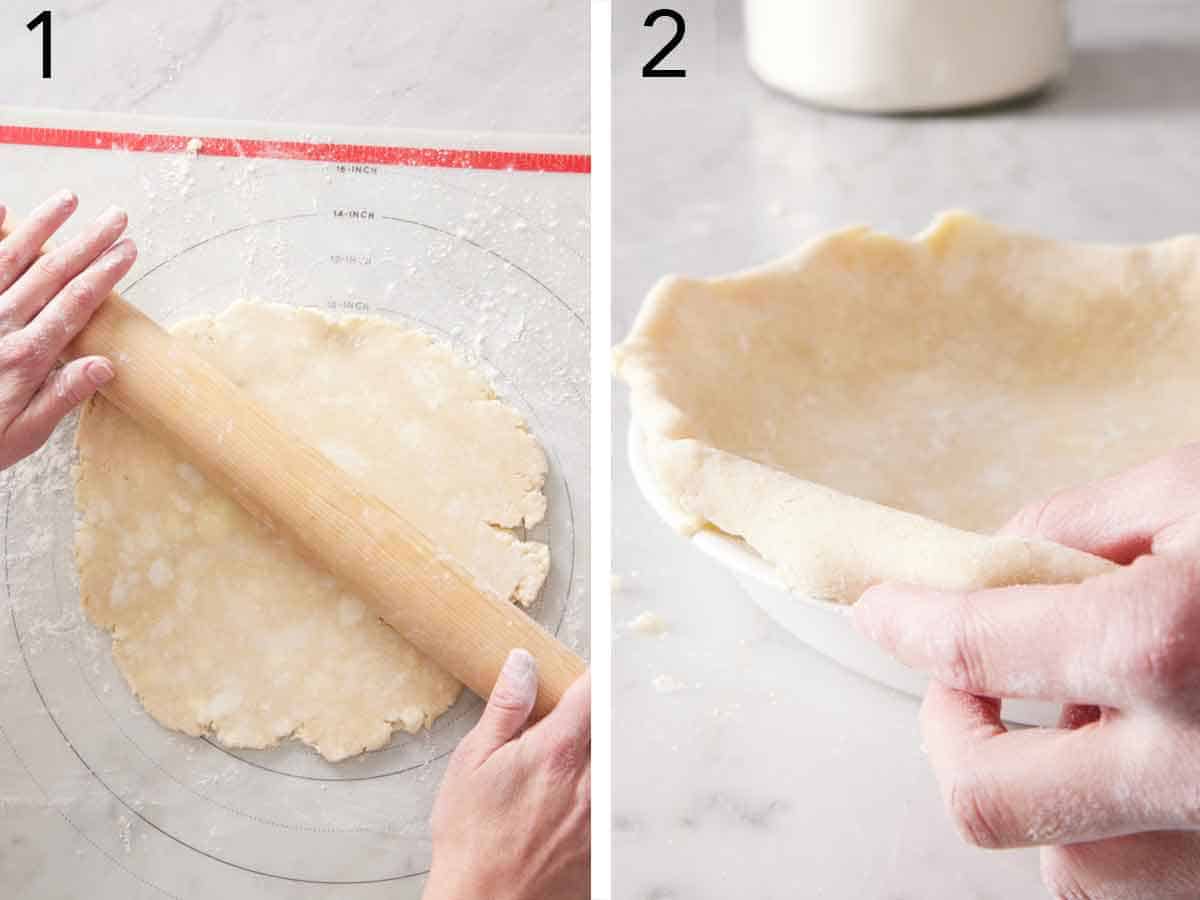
(1035, 786)
(1118, 517)
(1105, 641)
(1006, 642)
(65, 389)
(51, 273)
(507, 709)
(565, 735)
(1181, 540)
(45, 338)
(20, 248)
(1157, 865)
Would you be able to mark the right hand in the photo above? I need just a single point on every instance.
(1113, 794)
(512, 819)
(44, 304)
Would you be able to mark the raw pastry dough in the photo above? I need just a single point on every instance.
(217, 624)
(865, 409)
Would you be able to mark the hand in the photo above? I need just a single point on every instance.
(512, 820)
(1113, 794)
(44, 303)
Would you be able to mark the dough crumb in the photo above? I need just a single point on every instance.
(194, 146)
(412, 718)
(667, 684)
(648, 623)
(616, 583)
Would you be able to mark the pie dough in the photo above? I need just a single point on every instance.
(218, 625)
(870, 408)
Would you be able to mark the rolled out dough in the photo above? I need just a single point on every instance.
(868, 408)
(217, 624)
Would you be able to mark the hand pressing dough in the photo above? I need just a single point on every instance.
(871, 408)
(217, 624)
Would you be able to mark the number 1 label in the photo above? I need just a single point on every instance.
(42, 20)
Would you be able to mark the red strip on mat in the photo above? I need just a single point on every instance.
(353, 154)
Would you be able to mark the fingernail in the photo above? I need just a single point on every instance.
(99, 372)
(520, 671)
(112, 216)
(118, 253)
(55, 202)
(64, 198)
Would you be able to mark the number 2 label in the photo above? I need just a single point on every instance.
(651, 69)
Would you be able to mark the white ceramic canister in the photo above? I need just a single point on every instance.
(891, 56)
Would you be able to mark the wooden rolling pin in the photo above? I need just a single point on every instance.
(334, 520)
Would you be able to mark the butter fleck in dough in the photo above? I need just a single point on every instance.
(218, 625)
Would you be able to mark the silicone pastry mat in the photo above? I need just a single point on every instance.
(479, 239)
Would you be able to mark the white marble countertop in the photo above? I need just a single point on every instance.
(774, 773)
(434, 64)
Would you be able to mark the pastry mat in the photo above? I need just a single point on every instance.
(479, 239)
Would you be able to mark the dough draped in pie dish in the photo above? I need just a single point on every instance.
(871, 408)
(218, 625)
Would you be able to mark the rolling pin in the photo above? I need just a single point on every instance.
(330, 517)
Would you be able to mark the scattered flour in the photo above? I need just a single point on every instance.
(160, 573)
(124, 831)
(190, 475)
(667, 684)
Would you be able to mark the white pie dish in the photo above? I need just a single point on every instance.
(823, 625)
